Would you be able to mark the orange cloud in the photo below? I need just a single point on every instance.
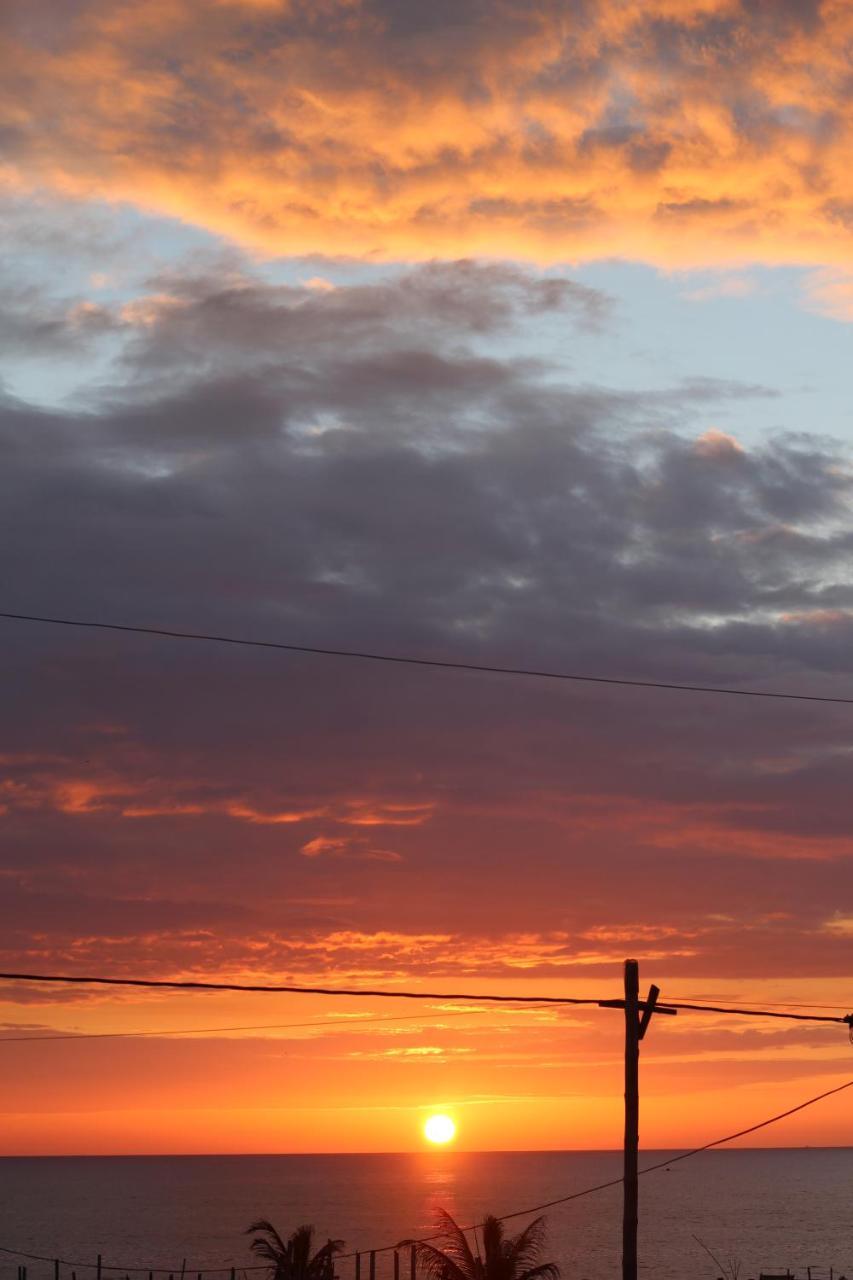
(718, 444)
(341, 847)
(247, 813)
(40, 784)
(363, 813)
(700, 131)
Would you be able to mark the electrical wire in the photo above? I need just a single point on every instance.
(771, 1004)
(760, 1013)
(263, 988)
(505, 1217)
(412, 661)
(694, 1151)
(427, 1019)
(374, 993)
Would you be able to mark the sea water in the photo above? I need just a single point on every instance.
(756, 1210)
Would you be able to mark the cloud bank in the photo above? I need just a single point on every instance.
(702, 131)
(372, 467)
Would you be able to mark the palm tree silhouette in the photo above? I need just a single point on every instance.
(293, 1260)
(504, 1258)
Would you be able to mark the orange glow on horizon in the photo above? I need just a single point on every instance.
(329, 1080)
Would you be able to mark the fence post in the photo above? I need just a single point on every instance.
(372, 1264)
(396, 1265)
(358, 1266)
(413, 1263)
(98, 1269)
(56, 1269)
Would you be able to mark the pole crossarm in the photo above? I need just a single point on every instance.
(642, 1005)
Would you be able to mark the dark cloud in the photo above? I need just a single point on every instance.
(359, 468)
(433, 304)
(34, 326)
(224, 315)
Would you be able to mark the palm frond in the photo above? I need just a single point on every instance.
(331, 1246)
(263, 1249)
(299, 1249)
(322, 1264)
(454, 1261)
(456, 1244)
(267, 1228)
(436, 1264)
(545, 1271)
(497, 1257)
(526, 1248)
(493, 1238)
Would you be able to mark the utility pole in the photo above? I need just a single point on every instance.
(632, 1120)
(638, 1015)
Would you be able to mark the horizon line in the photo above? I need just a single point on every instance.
(408, 1151)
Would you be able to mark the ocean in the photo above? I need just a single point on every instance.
(769, 1209)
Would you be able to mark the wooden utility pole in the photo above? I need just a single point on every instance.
(638, 1015)
(632, 1119)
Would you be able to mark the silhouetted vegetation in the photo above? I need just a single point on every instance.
(292, 1259)
(503, 1257)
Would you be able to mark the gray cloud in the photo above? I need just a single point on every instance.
(32, 325)
(355, 469)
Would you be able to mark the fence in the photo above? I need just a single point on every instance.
(363, 1267)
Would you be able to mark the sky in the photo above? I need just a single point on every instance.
(502, 333)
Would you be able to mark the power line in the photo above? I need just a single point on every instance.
(506, 1217)
(410, 660)
(761, 1013)
(427, 1019)
(772, 1004)
(289, 989)
(376, 993)
(664, 1164)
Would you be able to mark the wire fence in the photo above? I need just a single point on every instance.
(402, 1265)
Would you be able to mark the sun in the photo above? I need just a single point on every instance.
(440, 1130)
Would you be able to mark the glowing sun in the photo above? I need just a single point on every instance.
(440, 1130)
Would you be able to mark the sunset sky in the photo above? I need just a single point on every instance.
(515, 333)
